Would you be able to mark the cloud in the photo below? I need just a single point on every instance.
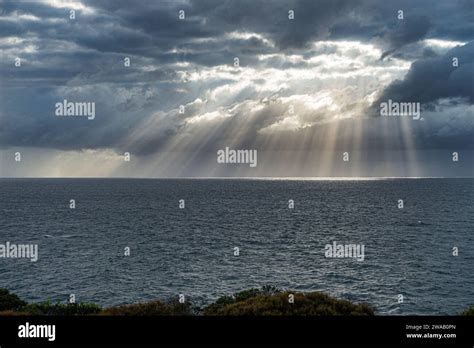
(325, 64)
(411, 30)
(433, 78)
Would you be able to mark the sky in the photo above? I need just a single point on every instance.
(306, 89)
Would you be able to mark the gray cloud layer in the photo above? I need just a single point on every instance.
(334, 64)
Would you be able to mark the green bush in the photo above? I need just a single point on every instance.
(468, 311)
(246, 294)
(260, 302)
(10, 302)
(49, 308)
(268, 300)
(172, 307)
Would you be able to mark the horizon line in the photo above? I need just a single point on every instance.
(289, 178)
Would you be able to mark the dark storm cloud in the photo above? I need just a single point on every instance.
(211, 18)
(454, 20)
(154, 30)
(433, 78)
(313, 18)
(411, 30)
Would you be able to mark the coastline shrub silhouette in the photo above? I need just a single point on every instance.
(266, 290)
(49, 308)
(10, 302)
(159, 308)
(256, 302)
(469, 311)
(267, 300)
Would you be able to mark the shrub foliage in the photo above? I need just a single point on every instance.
(268, 300)
(10, 302)
(261, 302)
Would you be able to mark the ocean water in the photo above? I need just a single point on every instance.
(191, 251)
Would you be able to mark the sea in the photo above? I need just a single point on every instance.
(135, 240)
